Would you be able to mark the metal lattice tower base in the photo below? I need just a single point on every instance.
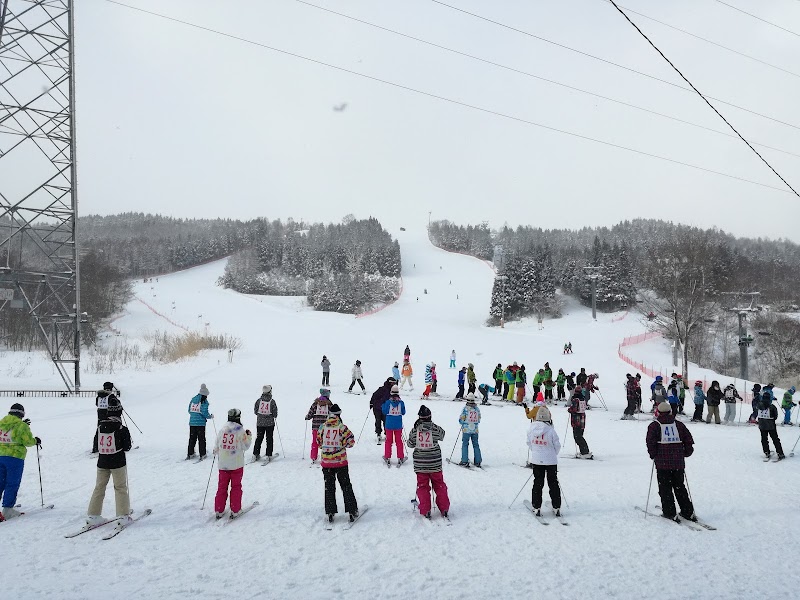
(38, 199)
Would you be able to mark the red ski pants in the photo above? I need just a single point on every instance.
(234, 478)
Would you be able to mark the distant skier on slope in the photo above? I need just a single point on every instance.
(424, 437)
(630, 396)
(786, 404)
(335, 438)
(357, 377)
(266, 411)
(198, 417)
(317, 414)
(396, 372)
(407, 353)
(232, 443)
(658, 392)
(114, 440)
(699, 401)
(326, 370)
(544, 447)
(714, 397)
(453, 359)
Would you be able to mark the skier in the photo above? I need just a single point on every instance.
(407, 353)
(435, 377)
(15, 439)
(658, 393)
(462, 375)
(547, 372)
(424, 437)
(470, 419)
(590, 387)
(787, 404)
(669, 442)
(544, 448)
(520, 382)
(396, 371)
(114, 440)
(233, 441)
(638, 379)
(498, 380)
(335, 438)
(394, 409)
(730, 403)
(767, 391)
(407, 372)
(630, 396)
(548, 389)
(538, 380)
(755, 403)
(568, 348)
(471, 378)
(380, 396)
(537, 404)
(714, 397)
(266, 412)
(428, 382)
(699, 400)
(101, 402)
(198, 416)
(484, 389)
(581, 378)
(682, 387)
(508, 384)
(673, 401)
(357, 376)
(767, 414)
(577, 410)
(317, 414)
(326, 370)
(570, 379)
(453, 359)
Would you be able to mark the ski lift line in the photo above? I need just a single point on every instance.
(713, 43)
(608, 62)
(451, 100)
(539, 77)
(699, 93)
(757, 17)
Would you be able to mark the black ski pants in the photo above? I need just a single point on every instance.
(261, 433)
(548, 394)
(631, 408)
(775, 440)
(498, 387)
(197, 433)
(363, 389)
(471, 388)
(535, 389)
(672, 481)
(380, 421)
(505, 389)
(560, 392)
(331, 474)
(460, 393)
(577, 434)
(94, 442)
(326, 378)
(539, 472)
(698, 412)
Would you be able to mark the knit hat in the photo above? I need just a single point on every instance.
(325, 392)
(266, 389)
(698, 383)
(334, 409)
(358, 363)
(234, 414)
(391, 380)
(469, 397)
(470, 365)
(17, 410)
(395, 389)
(203, 390)
(659, 378)
(424, 412)
(539, 398)
(543, 414)
(108, 385)
(756, 387)
(396, 364)
(664, 407)
(114, 407)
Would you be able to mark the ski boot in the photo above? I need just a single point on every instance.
(353, 515)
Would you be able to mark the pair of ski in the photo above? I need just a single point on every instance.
(349, 525)
(264, 461)
(415, 508)
(775, 458)
(221, 520)
(29, 511)
(119, 529)
(540, 517)
(399, 464)
(466, 466)
(697, 525)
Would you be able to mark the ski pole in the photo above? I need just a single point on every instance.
(686, 478)
(795, 446)
(603, 400)
(520, 490)
(650, 487)
(209, 481)
(127, 414)
(364, 425)
(39, 464)
(305, 435)
(279, 438)
(454, 449)
(562, 494)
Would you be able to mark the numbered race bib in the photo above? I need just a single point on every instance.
(331, 439)
(425, 439)
(473, 416)
(729, 393)
(764, 414)
(102, 402)
(322, 409)
(228, 442)
(539, 441)
(5, 437)
(195, 407)
(581, 406)
(265, 407)
(106, 443)
(669, 434)
(395, 410)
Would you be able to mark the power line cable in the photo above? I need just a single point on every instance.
(444, 98)
(699, 93)
(713, 43)
(758, 18)
(534, 76)
(609, 62)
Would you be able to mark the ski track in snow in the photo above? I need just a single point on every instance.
(280, 549)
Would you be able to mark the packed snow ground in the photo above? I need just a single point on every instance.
(280, 549)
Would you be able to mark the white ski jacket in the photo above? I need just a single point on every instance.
(544, 443)
(232, 443)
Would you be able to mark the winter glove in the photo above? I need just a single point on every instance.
(210, 416)
(26, 421)
(38, 441)
(247, 431)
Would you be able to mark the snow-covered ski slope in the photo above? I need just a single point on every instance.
(281, 550)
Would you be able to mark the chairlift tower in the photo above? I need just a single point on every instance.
(744, 339)
(38, 184)
(593, 273)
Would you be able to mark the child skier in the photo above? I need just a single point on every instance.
(407, 372)
(428, 382)
(570, 382)
(114, 440)
(520, 382)
(233, 441)
(767, 414)
(453, 359)
(787, 405)
(198, 416)
(577, 410)
(471, 378)
(508, 384)
(317, 414)
(394, 409)
(462, 375)
(470, 419)
(548, 389)
(538, 403)
(658, 392)
(484, 389)
(266, 412)
(669, 442)
(396, 372)
(407, 354)
(630, 396)
(326, 370)
(544, 448)
(638, 379)
(424, 437)
(498, 380)
(15, 439)
(561, 379)
(755, 403)
(537, 382)
(713, 398)
(380, 396)
(101, 402)
(590, 387)
(699, 400)
(435, 380)
(731, 395)
(335, 438)
(357, 376)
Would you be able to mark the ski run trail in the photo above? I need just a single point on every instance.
(282, 550)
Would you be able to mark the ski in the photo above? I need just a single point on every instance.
(123, 527)
(677, 521)
(352, 522)
(528, 466)
(401, 461)
(539, 518)
(328, 523)
(268, 460)
(559, 518)
(447, 520)
(388, 462)
(214, 518)
(87, 528)
(199, 460)
(699, 522)
(243, 511)
(415, 510)
(579, 458)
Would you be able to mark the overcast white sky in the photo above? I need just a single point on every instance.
(183, 122)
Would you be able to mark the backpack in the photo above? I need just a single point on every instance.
(659, 393)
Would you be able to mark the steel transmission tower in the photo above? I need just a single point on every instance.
(38, 199)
